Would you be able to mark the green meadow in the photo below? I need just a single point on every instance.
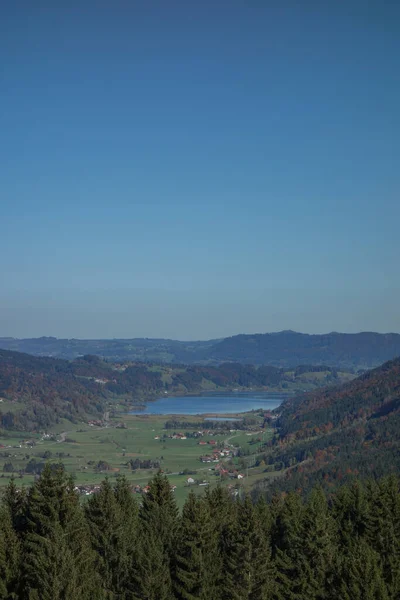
(91, 453)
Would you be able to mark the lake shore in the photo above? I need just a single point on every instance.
(210, 405)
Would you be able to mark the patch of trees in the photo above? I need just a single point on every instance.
(34, 466)
(52, 547)
(177, 425)
(136, 463)
(218, 426)
(103, 465)
(9, 467)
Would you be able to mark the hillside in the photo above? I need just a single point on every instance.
(358, 350)
(284, 349)
(38, 391)
(327, 436)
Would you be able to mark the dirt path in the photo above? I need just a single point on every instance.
(228, 439)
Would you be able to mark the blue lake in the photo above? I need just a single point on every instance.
(229, 403)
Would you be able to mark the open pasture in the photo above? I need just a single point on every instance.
(91, 453)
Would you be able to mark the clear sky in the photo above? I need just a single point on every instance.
(199, 168)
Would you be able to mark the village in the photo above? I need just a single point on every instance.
(219, 454)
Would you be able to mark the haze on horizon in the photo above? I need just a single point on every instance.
(197, 170)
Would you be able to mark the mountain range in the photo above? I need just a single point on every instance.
(283, 349)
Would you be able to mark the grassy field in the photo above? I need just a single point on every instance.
(81, 447)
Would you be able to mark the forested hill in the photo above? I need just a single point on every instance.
(36, 392)
(353, 430)
(283, 349)
(357, 350)
(374, 394)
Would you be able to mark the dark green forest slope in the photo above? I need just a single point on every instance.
(219, 548)
(38, 391)
(338, 434)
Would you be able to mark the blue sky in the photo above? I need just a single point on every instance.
(193, 169)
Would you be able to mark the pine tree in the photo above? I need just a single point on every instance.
(126, 502)
(304, 540)
(221, 506)
(351, 511)
(159, 511)
(127, 535)
(157, 534)
(112, 518)
(249, 569)
(57, 557)
(319, 546)
(359, 575)
(222, 509)
(384, 531)
(287, 549)
(150, 577)
(265, 517)
(103, 516)
(15, 499)
(10, 556)
(264, 581)
(197, 559)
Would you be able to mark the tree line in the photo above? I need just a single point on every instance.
(52, 547)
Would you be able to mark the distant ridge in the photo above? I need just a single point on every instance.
(281, 349)
(357, 350)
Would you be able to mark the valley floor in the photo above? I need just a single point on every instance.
(91, 452)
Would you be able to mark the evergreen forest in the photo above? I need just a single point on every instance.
(344, 546)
